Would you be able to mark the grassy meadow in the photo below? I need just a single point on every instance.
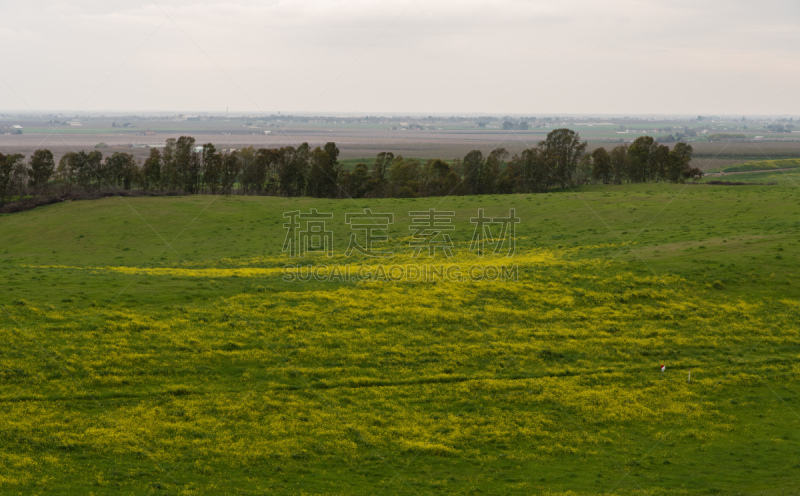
(765, 165)
(153, 345)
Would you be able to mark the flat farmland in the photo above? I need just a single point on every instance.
(359, 141)
(353, 143)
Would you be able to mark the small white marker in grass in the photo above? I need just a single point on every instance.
(662, 368)
(690, 376)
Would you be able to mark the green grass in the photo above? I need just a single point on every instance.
(193, 382)
(350, 164)
(765, 165)
(790, 177)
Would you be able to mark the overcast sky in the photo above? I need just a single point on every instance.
(423, 56)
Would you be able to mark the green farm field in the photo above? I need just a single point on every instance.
(157, 345)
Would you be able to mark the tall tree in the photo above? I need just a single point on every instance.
(6, 169)
(379, 173)
(659, 169)
(537, 174)
(82, 168)
(404, 178)
(491, 170)
(679, 159)
(212, 168)
(65, 171)
(195, 183)
(120, 170)
(641, 159)
(438, 178)
(131, 174)
(230, 172)
(323, 178)
(510, 179)
(301, 162)
(42, 165)
(562, 149)
(473, 172)
(292, 169)
(619, 164)
(357, 181)
(187, 165)
(601, 166)
(583, 173)
(255, 166)
(457, 167)
(170, 176)
(12, 175)
(268, 160)
(151, 171)
(92, 168)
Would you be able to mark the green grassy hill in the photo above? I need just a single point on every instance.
(765, 165)
(155, 344)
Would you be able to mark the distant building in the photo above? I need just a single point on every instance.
(16, 126)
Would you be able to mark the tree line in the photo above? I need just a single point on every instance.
(559, 161)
